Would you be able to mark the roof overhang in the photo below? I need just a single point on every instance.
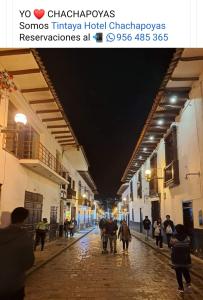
(88, 179)
(184, 69)
(32, 81)
(122, 189)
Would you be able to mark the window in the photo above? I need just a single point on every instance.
(73, 184)
(53, 214)
(171, 171)
(24, 143)
(139, 185)
(33, 202)
(69, 182)
(153, 184)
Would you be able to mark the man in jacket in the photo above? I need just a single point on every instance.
(16, 256)
(168, 229)
(180, 256)
(147, 225)
(111, 229)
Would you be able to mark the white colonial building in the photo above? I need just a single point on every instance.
(165, 173)
(42, 165)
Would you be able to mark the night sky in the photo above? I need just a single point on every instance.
(107, 95)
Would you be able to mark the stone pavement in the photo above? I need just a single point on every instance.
(54, 248)
(197, 263)
(82, 272)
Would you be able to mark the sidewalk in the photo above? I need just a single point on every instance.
(197, 263)
(52, 249)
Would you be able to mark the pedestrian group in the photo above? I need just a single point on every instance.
(109, 234)
(17, 255)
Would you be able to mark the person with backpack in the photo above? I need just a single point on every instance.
(125, 235)
(168, 229)
(180, 256)
(147, 225)
(158, 232)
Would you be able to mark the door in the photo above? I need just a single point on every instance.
(73, 212)
(155, 210)
(188, 220)
(141, 219)
(33, 202)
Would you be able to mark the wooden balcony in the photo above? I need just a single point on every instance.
(171, 174)
(71, 194)
(36, 157)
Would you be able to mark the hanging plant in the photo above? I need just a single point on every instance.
(6, 82)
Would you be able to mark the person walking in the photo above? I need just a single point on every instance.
(41, 230)
(104, 237)
(125, 235)
(16, 256)
(66, 227)
(72, 227)
(158, 232)
(168, 229)
(102, 224)
(111, 229)
(180, 256)
(147, 226)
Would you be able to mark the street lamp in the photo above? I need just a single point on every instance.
(148, 175)
(20, 120)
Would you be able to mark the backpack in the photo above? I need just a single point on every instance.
(169, 230)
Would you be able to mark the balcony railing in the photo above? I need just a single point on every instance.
(71, 194)
(28, 149)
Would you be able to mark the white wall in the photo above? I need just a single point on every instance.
(190, 154)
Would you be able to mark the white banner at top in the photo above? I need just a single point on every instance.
(99, 24)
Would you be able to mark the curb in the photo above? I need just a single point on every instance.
(57, 253)
(164, 254)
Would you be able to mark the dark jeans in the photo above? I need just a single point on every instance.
(71, 231)
(40, 237)
(180, 272)
(125, 244)
(112, 241)
(168, 236)
(159, 241)
(19, 295)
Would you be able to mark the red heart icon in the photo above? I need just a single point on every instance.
(39, 13)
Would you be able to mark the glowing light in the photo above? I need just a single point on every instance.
(148, 175)
(173, 99)
(20, 119)
(151, 138)
(160, 122)
(145, 149)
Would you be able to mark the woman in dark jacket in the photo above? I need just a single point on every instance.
(125, 235)
(180, 256)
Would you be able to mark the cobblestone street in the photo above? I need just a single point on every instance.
(82, 272)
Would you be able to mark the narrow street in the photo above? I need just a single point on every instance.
(82, 272)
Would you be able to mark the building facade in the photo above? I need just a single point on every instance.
(165, 173)
(42, 165)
